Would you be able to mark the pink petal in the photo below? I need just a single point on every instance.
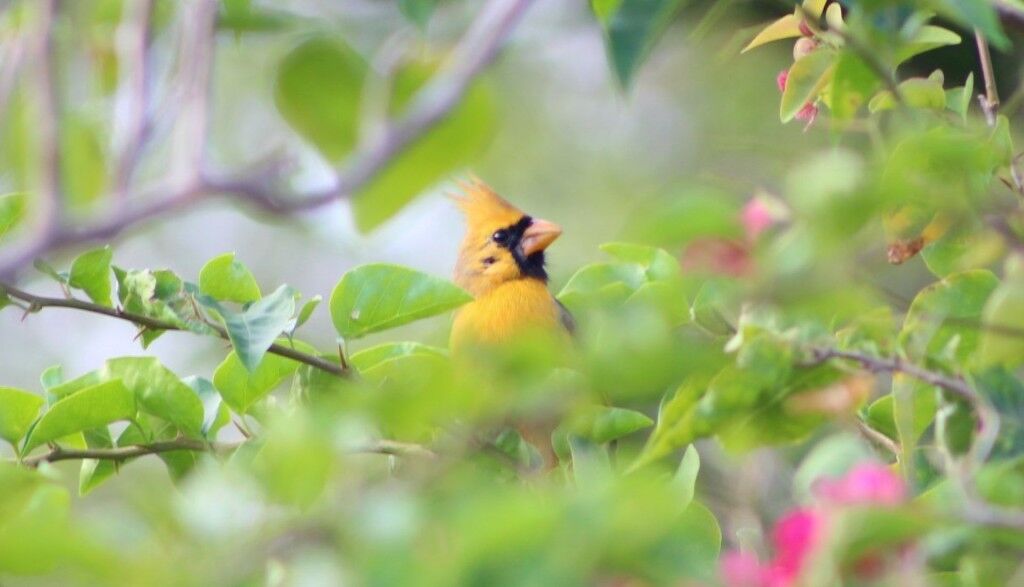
(794, 536)
(742, 569)
(865, 483)
(756, 217)
(781, 79)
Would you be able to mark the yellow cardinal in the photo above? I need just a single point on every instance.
(501, 263)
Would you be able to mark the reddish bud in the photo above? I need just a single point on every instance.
(808, 113)
(802, 47)
(780, 80)
(805, 30)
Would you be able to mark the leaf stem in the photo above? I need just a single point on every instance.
(990, 100)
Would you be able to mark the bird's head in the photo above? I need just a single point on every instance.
(502, 243)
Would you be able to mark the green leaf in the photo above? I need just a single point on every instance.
(917, 92)
(12, 210)
(807, 78)
(158, 391)
(980, 14)
(253, 330)
(1002, 339)
(853, 83)
(698, 552)
(943, 316)
(380, 296)
(95, 471)
(601, 284)
(90, 272)
(1005, 392)
(92, 407)
(242, 388)
(225, 279)
(369, 358)
(431, 158)
(657, 263)
(600, 424)
(158, 294)
(307, 310)
(604, 9)
(215, 414)
(685, 479)
(418, 11)
(676, 426)
(318, 90)
(631, 32)
(787, 27)
(959, 99)
(926, 38)
(18, 409)
(35, 536)
(48, 270)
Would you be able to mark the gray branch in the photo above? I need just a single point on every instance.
(478, 48)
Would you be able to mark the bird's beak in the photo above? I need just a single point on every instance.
(539, 235)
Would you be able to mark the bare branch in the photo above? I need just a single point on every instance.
(961, 472)
(36, 303)
(131, 102)
(195, 65)
(444, 92)
(47, 180)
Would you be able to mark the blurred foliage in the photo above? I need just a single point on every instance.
(703, 321)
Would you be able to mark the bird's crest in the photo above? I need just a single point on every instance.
(483, 207)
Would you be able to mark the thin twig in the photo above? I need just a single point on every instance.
(877, 438)
(961, 472)
(990, 100)
(122, 453)
(36, 303)
(495, 22)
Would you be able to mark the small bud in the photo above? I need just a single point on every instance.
(805, 30)
(808, 114)
(802, 47)
(780, 80)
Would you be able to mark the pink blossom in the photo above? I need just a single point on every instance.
(866, 483)
(781, 79)
(794, 537)
(797, 533)
(742, 569)
(756, 217)
(808, 113)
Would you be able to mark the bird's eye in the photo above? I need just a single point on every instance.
(489, 261)
(500, 236)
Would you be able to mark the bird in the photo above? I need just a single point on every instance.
(501, 264)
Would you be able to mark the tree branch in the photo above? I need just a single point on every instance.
(990, 100)
(36, 303)
(976, 509)
(123, 453)
(478, 48)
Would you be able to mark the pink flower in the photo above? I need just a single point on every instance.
(742, 569)
(756, 218)
(760, 213)
(781, 79)
(794, 537)
(808, 113)
(796, 534)
(866, 483)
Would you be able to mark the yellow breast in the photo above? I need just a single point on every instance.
(505, 311)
